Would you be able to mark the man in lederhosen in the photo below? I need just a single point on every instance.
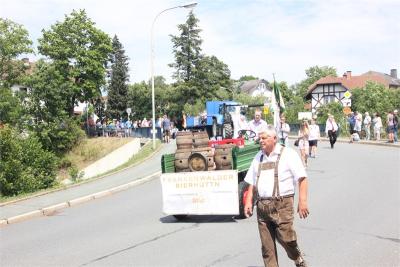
(272, 177)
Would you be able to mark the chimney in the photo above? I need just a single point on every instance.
(347, 75)
(393, 73)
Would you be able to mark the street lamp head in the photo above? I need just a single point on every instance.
(190, 5)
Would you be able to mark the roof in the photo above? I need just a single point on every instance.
(351, 82)
(250, 86)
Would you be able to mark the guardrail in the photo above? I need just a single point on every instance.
(143, 132)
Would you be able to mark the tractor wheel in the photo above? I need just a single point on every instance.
(214, 128)
(228, 131)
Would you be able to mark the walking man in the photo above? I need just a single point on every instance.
(331, 128)
(166, 126)
(272, 176)
(283, 130)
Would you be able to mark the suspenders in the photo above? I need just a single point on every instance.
(276, 193)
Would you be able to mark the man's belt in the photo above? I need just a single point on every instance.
(275, 198)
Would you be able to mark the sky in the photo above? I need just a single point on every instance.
(253, 37)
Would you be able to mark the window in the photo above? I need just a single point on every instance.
(329, 99)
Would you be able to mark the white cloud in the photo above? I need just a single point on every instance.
(252, 37)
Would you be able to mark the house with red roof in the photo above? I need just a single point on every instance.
(338, 89)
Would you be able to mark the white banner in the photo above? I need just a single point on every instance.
(201, 193)
(346, 102)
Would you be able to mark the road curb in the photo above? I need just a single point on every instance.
(47, 211)
(25, 216)
(52, 209)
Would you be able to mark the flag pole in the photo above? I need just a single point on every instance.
(275, 103)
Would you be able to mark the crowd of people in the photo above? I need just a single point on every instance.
(363, 127)
(309, 132)
(124, 127)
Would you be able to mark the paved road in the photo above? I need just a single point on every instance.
(354, 221)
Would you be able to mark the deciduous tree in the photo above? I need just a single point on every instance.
(14, 41)
(80, 52)
(314, 74)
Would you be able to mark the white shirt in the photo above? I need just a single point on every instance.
(283, 130)
(377, 122)
(258, 126)
(367, 120)
(331, 125)
(314, 132)
(290, 170)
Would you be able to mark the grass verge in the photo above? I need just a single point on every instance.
(87, 152)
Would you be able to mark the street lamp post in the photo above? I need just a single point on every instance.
(152, 68)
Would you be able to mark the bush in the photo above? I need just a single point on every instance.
(24, 165)
(59, 136)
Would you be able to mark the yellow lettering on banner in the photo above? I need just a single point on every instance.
(204, 180)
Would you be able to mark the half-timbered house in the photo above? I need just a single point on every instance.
(333, 89)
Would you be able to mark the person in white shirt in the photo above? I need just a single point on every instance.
(331, 128)
(367, 126)
(257, 125)
(242, 126)
(283, 130)
(272, 178)
(377, 126)
(313, 138)
(357, 125)
(145, 123)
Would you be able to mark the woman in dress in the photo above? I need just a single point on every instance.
(303, 141)
(313, 138)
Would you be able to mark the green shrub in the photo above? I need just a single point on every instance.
(24, 165)
(73, 172)
(59, 136)
(64, 163)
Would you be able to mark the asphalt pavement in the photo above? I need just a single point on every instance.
(48, 203)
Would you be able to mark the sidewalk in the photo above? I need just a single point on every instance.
(47, 204)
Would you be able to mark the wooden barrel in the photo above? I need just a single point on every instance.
(181, 161)
(223, 162)
(208, 153)
(213, 167)
(200, 139)
(198, 162)
(223, 149)
(184, 140)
